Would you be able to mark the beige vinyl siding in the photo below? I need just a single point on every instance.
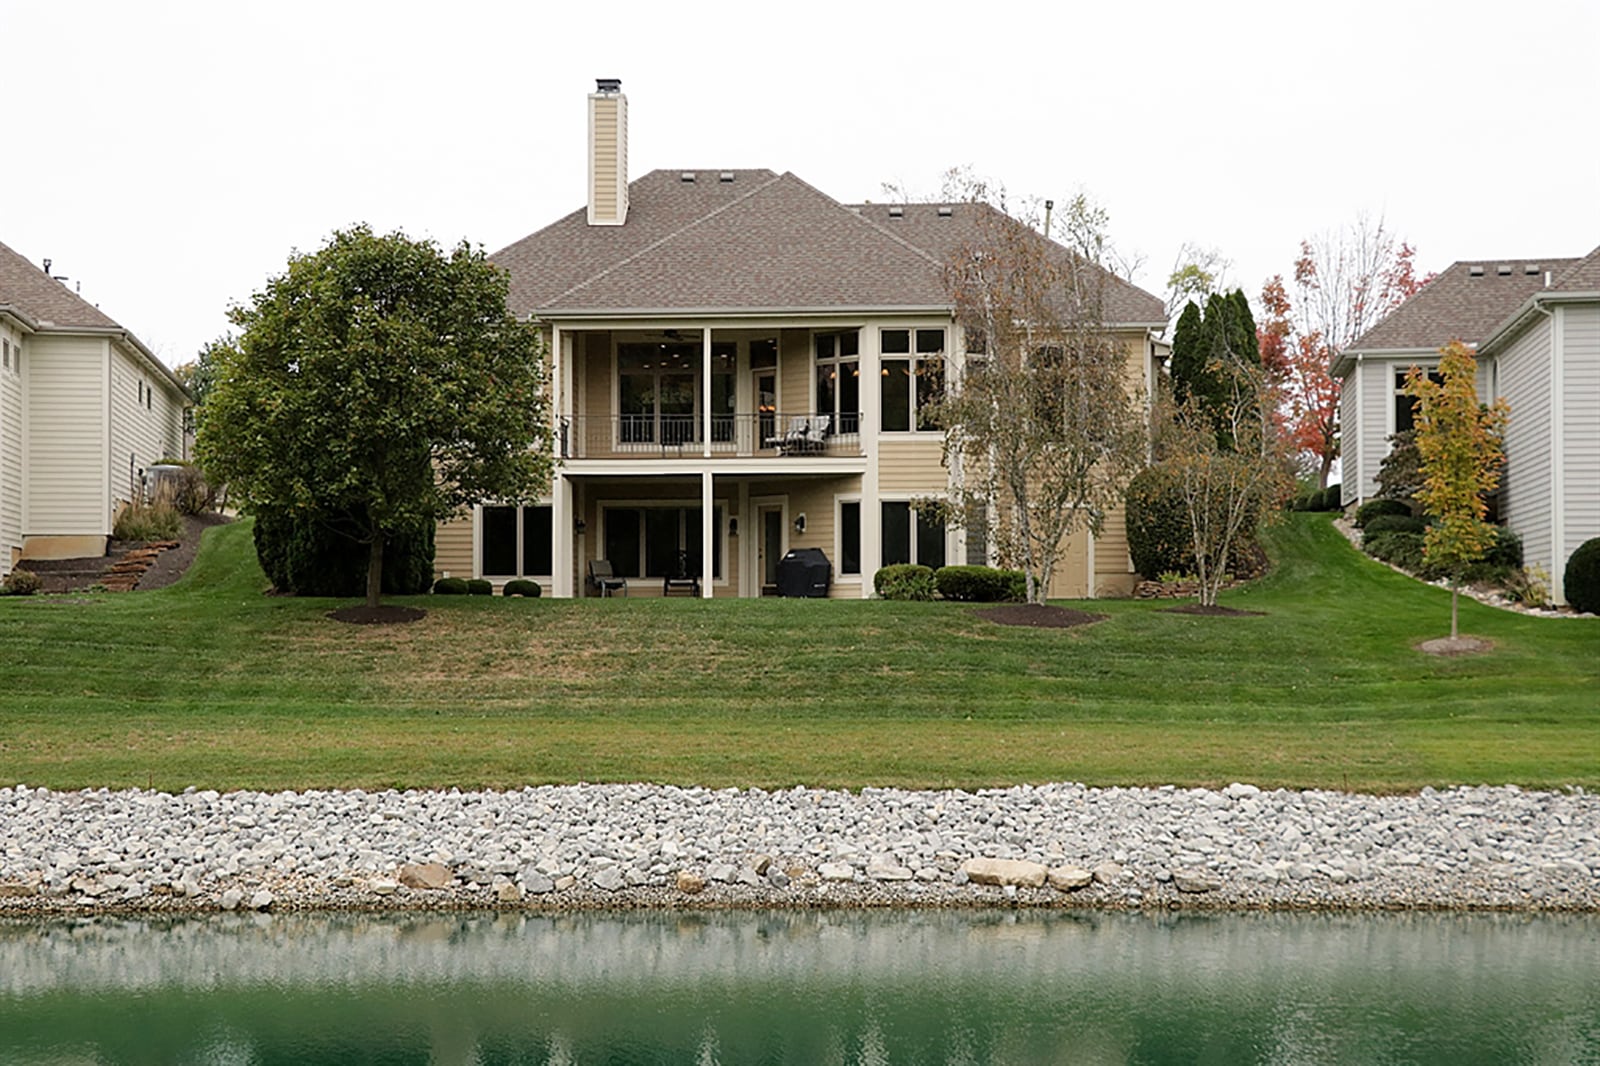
(452, 548)
(1069, 581)
(66, 449)
(794, 371)
(911, 465)
(607, 157)
(594, 381)
(816, 500)
(1580, 428)
(1113, 569)
(10, 452)
(1525, 498)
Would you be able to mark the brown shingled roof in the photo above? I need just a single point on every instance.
(1460, 304)
(28, 289)
(762, 241)
(1583, 276)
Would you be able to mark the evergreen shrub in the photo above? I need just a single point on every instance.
(450, 586)
(1582, 577)
(1157, 522)
(904, 581)
(522, 587)
(305, 554)
(1374, 508)
(980, 584)
(480, 586)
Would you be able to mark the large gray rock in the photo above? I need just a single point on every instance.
(609, 879)
(1195, 881)
(1107, 873)
(836, 871)
(1005, 872)
(1070, 878)
(690, 883)
(424, 875)
(886, 869)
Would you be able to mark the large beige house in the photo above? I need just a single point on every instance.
(1534, 325)
(739, 369)
(85, 408)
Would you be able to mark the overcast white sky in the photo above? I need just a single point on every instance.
(169, 155)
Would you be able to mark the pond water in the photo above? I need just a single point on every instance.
(785, 987)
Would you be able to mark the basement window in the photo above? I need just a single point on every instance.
(516, 542)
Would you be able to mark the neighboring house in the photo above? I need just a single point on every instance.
(84, 409)
(1535, 327)
(738, 367)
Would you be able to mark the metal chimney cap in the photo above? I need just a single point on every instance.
(608, 85)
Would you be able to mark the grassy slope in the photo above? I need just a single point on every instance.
(210, 683)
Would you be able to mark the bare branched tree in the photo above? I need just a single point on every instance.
(1045, 428)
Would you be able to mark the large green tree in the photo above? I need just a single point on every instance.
(379, 376)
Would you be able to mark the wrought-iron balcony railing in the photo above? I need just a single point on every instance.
(774, 433)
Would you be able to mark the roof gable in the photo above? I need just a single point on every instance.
(46, 301)
(1465, 302)
(1582, 276)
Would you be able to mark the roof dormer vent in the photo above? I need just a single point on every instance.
(726, 177)
(1475, 270)
(897, 211)
(946, 212)
(1531, 270)
(1504, 270)
(687, 177)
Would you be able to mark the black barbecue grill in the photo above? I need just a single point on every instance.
(804, 572)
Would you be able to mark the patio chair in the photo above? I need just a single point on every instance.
(816, 439)
(793, 437)
(603, 580)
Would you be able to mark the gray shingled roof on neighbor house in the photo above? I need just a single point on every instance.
(1460, 304)
(759, 242)
(26, 288)
(1584, 276)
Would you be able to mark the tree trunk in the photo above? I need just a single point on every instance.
(1327, 469)
(1455, 587)
(375, 569)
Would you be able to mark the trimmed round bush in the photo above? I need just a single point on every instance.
(1582, 577)
(20, 583)
(1159, 537)
(480, 586)
(904, 581)
(1376, 508)
(303, 553)
(522, 587)
(450, 586)
(978, 584)
(1395, 523)
(1332, 498)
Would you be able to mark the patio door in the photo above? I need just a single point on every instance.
(766, 391)
(769, 544)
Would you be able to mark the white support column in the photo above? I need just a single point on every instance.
(557, 393)
(743, 553)
(705, 393)
(870, 398)
(708, 528)
(1558, 455)
(561, 530)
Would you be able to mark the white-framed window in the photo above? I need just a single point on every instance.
(5, 346)
(660, 539)
(847, 535)
(658, 391)
(515, 541)
(912, 374)
(838, 378)
(908, 535)
(1405, 407)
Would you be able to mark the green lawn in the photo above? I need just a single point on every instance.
(212, 684)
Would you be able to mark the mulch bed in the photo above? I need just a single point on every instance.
(1039, 616)
(1453, 646)
(1213, 612)
(381, 615)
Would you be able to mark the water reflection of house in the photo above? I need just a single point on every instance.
(741, 366)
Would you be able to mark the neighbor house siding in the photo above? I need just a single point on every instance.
(66, 447)
(10, 450)
(1377, 405)
(1581, 429)
(1353, 461)
(1113, 568)
(452, 547)
(1524, 371)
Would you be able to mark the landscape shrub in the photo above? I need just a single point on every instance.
(1505, 554)
(1529, 586)
(450, 586)
(1582, 577)
(305, 554)
(522, 587)
(480, 586)
(904, 581)
(20, 583)
(1395, 523)
(1399, 474)
(1157, 522)
(1375, 508)
(189, 490)
(148, 521)
(1402, 549)
(1332, 498)
(979, 584)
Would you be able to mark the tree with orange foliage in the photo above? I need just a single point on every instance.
(1345, 281)
(1460, 444)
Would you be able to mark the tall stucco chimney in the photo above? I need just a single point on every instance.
(608, 154)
